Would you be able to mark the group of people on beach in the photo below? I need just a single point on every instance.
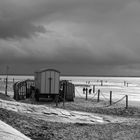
(86, 90)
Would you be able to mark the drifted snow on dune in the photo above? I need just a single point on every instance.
(52, 114)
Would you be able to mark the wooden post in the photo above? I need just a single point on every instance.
(6, 84)
(86, 93)
(126, 101)
(93, 88)
(98, 95)
(101, 82)
(110, 97)
(13, 81)
(7, 68)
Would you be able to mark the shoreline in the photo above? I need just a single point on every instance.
(67, 75)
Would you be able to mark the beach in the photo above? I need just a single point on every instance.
(117, 121)
(120, 123)
(69, 69)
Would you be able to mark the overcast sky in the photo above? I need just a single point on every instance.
(77, 37)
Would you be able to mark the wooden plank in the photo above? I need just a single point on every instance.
(43, 82)
(47, 82)
(57, 79)
(52, 81)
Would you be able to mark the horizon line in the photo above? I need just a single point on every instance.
(70, 75)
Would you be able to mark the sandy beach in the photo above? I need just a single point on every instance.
(37, 122)
(122, 123)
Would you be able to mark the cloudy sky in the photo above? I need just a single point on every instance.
(77, 37)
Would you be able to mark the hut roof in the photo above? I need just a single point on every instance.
(45, 69)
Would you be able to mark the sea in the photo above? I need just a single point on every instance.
(119, 86)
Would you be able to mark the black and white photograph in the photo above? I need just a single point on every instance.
(69, 69)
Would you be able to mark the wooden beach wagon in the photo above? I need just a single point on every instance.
(47, 84)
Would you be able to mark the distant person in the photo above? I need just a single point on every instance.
(84, 90)
(101, 82)
(127, 84)
(124, 83)
(90, 91)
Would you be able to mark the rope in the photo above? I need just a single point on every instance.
(119, 100)
(78, 93)
(116, 101)
(104, 96)
(94, 95)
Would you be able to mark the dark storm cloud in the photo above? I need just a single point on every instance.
(17, 17)
(100, 36)
(19, 29)
(86, 56)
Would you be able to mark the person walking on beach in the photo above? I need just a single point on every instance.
(84, 90)
(90, 91)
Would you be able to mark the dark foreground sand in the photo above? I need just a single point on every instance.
(45, 130)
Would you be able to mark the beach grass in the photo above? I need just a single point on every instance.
(103, 107)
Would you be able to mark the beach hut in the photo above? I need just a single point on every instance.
(47, 83)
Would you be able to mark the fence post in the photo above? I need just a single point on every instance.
(110, 97)
(6, 85)
(101, 82)
(7, 68)
(98, 95)
(93, 88)
(126, 101)
(13, 81)
(86, 93)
